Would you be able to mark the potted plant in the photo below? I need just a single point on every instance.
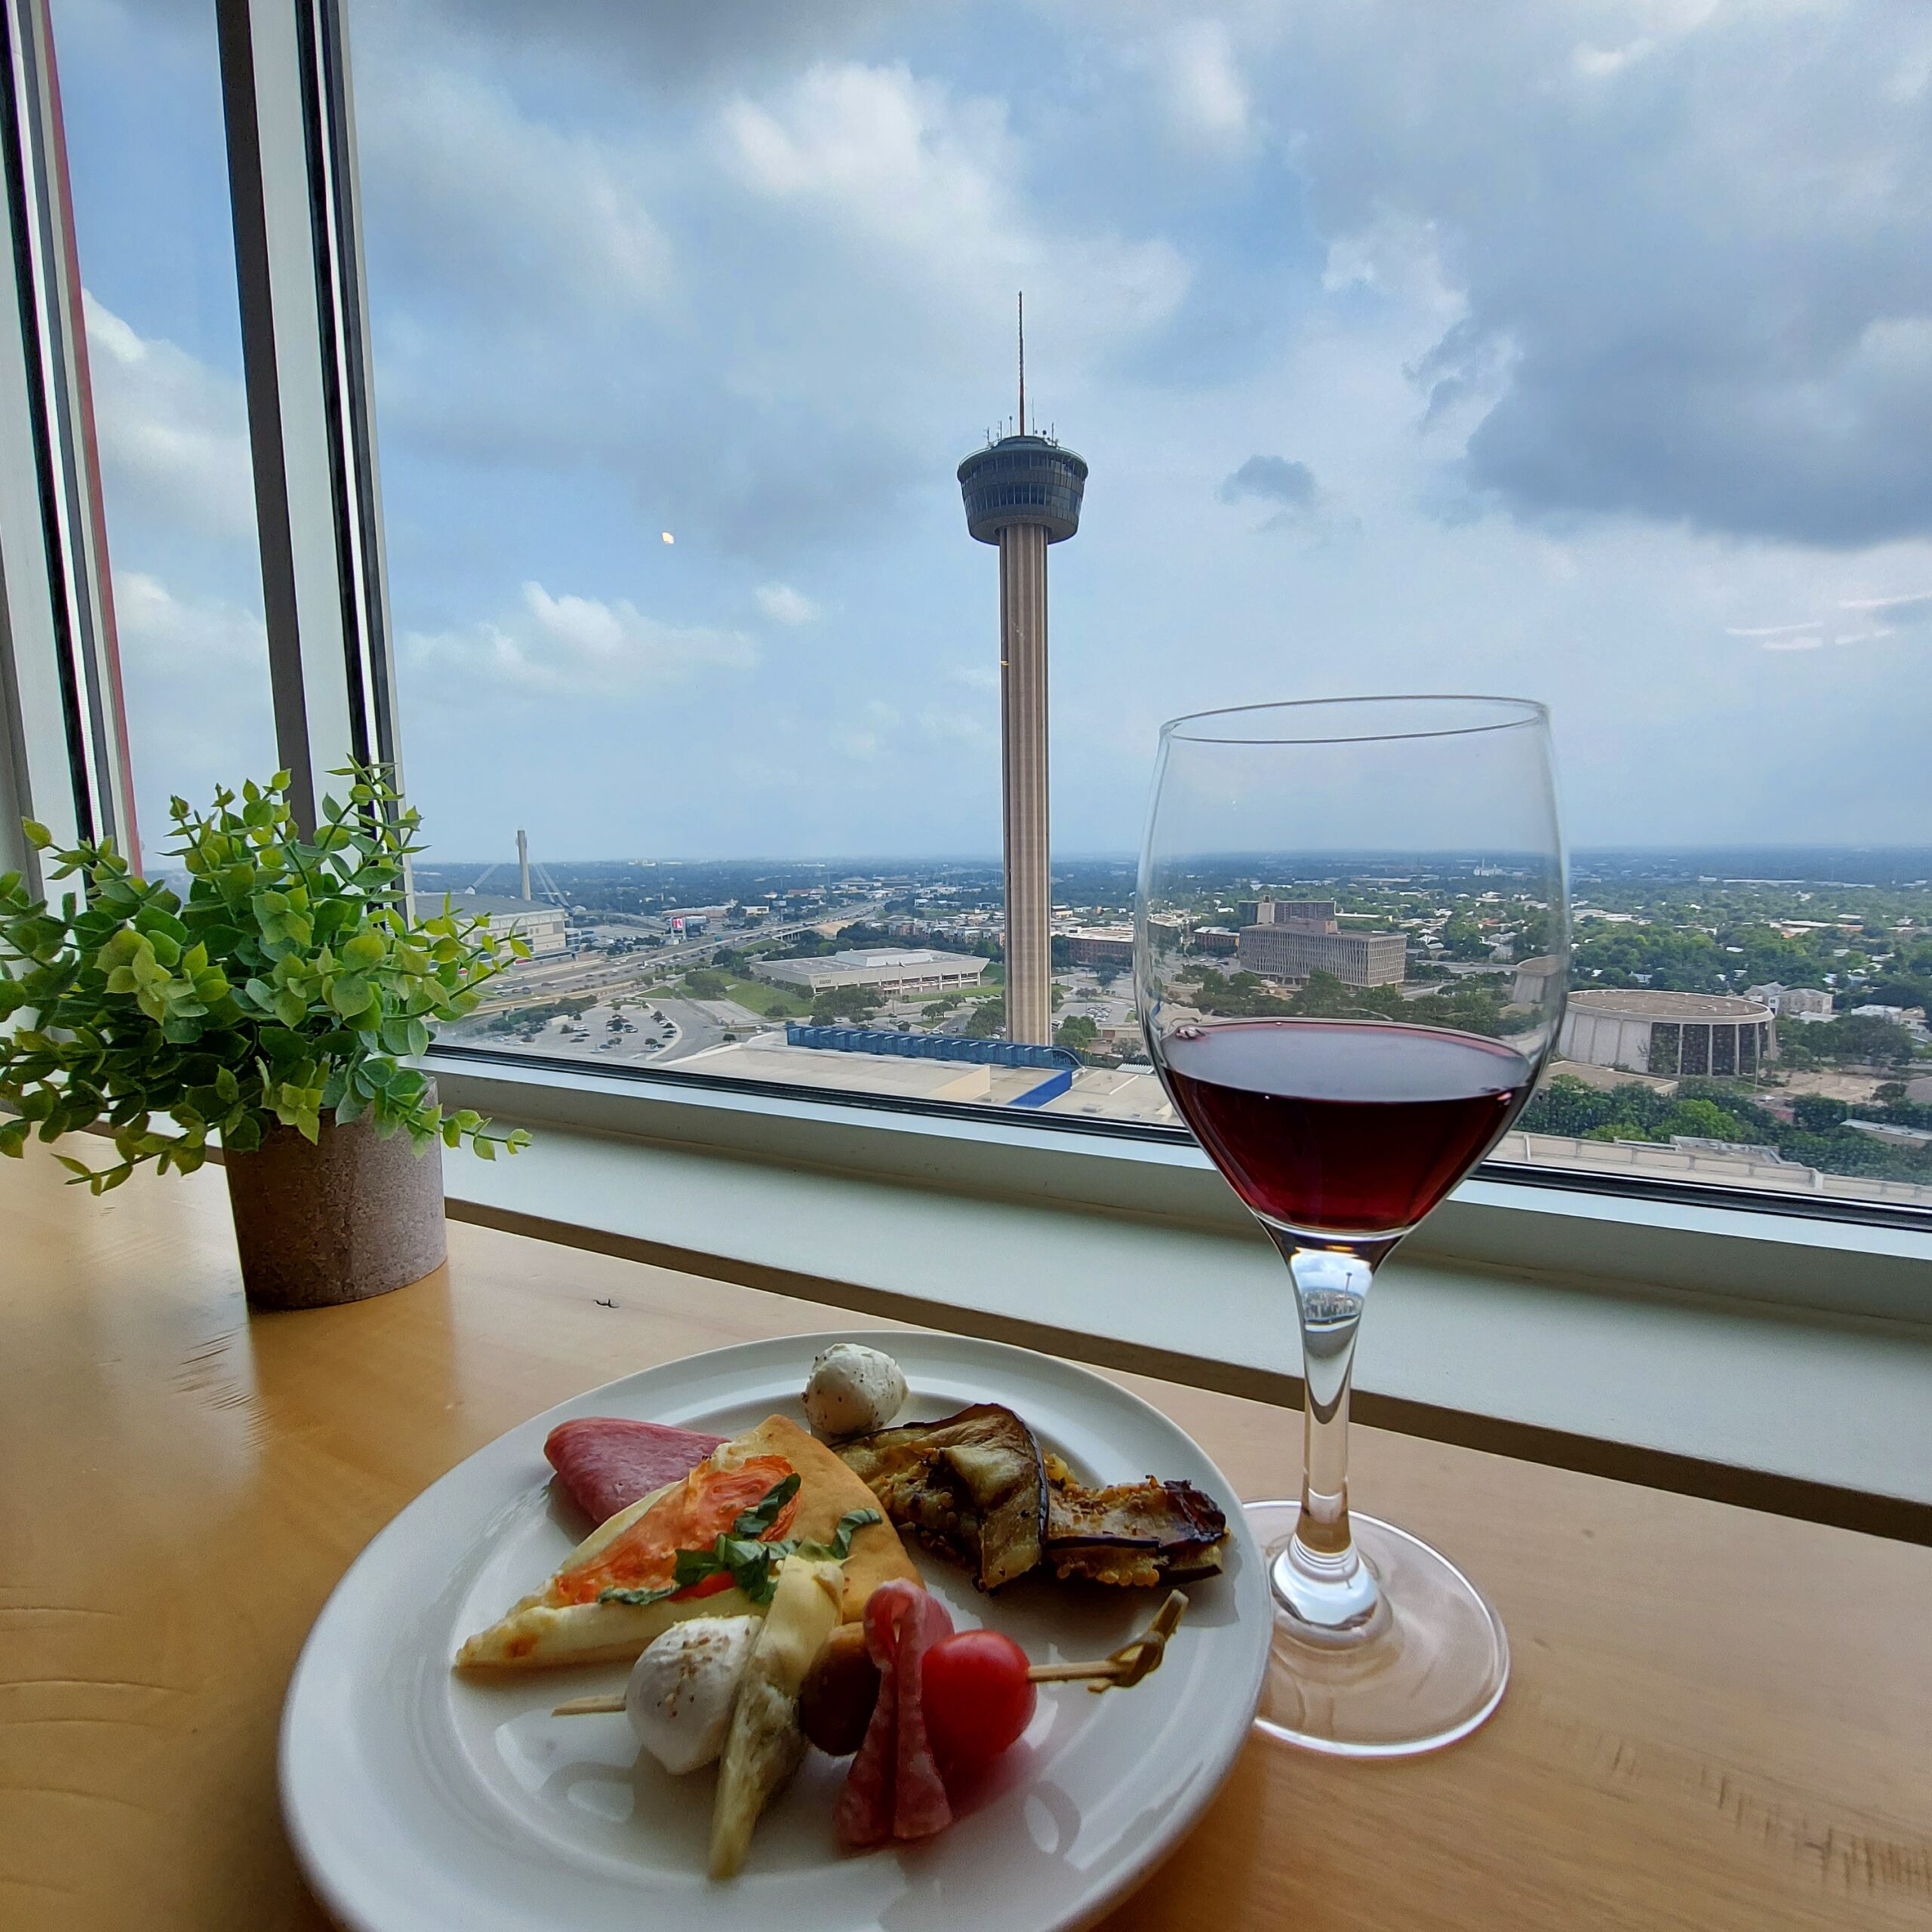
(272, 1012)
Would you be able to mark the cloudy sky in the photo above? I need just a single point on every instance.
(1579, 351)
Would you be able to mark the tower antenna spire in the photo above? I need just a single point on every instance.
(1022, 362)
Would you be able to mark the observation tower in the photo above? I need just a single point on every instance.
(1023, 492)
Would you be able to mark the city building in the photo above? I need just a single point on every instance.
(1023, 492)
(1289, 938)
(1532, 979)
(880, 969)
(1101, 945)
(1668, 1033)
(1710, 1161)
(1216, 939)
(972, 1071)
(541, 927)
(1792, 1002)
(1319, 913)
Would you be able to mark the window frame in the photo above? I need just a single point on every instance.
(64, 739)
(288, 103)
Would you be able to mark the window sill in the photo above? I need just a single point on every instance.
(1639, 1340)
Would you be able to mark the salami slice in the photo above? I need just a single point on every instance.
(863, 1814)
(894, 1789)
(920, 1807)
(607, 1464)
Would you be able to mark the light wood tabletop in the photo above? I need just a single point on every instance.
(1719, 1719)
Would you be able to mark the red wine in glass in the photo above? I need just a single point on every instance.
(1353, 1126)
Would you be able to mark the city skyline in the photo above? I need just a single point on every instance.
(1410, 355)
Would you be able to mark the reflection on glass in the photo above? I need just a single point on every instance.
(141, 95)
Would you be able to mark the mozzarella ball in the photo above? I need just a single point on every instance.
(682, 1689)
(854, 1390)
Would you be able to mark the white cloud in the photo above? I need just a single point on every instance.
(975, 677)
(784, 605)
(195, 669)
(1204, 90)
(184, 633)
(579, 647)
(933, 183)
(492, 200)
(173, 433)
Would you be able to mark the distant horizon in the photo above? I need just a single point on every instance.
(874, 862)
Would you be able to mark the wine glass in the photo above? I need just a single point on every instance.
(1343, 1098)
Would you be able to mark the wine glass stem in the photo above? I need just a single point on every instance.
(1319, 1578)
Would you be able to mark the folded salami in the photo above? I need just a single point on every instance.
(606, 1462)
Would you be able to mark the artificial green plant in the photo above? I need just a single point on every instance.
(291, 984)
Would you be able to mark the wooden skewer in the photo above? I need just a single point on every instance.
(1129, 1664)
(1136, 1659)
(589, 1707)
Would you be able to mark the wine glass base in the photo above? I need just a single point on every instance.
(1425, 1676)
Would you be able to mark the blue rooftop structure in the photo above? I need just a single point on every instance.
(926, 1046)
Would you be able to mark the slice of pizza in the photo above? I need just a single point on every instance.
(693, 1548)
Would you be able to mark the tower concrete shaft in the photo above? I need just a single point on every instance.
(1022, 493)
(1022, 685)
(523, 865)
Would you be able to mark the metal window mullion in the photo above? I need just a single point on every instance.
(305, 333)
(63, 737)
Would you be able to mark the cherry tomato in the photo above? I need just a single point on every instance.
(977, 1696)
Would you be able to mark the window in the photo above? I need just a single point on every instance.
(1569, 353)
(141, 92)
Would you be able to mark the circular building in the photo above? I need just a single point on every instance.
(1023, 479)
(1670, 1033)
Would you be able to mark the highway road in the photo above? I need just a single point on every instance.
(603, 972)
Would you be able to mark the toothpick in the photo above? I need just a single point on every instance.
(589, 1707)
(1129, 1664)
(1138, 1658)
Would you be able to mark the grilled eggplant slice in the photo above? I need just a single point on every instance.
(1132, 1533)
(972, 1487)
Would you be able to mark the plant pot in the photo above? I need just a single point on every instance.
(347, 1217)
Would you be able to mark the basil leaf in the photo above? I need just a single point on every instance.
(639, 1597)
(841, 1545)
(694, 1566)
(762, 1515)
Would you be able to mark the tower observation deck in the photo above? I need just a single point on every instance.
(1022, 493)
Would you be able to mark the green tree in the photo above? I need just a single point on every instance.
(1076, 1032)
(1818, 1113)
(845, 1005)
(988, 1020)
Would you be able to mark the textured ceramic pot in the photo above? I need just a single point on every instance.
(348, 1218)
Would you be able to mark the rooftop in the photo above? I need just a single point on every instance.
(1639, 1003)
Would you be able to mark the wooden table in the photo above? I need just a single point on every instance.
(1717, 1719)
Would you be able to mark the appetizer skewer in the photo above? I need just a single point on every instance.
(1120, 1670)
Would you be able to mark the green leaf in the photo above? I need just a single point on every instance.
(640, 1598)
(364, 948)
(38, 837)
(764, 1513)
(350, 993)
(840, 1547)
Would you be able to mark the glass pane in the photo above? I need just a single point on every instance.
(140, 88)
(1572, 357)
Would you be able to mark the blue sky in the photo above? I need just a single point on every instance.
(1580, 351)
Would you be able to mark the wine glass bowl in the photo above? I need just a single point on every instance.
(1343, 1099)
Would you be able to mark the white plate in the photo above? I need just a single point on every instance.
(418, 1801)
